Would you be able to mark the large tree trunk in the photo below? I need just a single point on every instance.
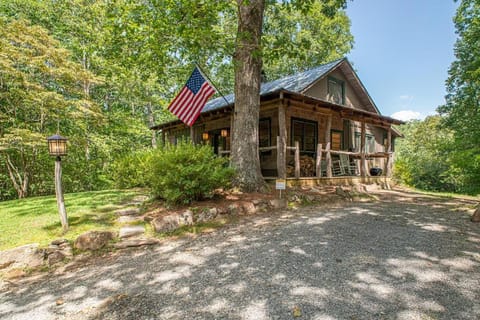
(248, 65)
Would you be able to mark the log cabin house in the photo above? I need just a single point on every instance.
(317, 126)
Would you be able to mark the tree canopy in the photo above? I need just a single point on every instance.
(104, 71)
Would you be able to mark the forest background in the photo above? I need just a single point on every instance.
(101, 72)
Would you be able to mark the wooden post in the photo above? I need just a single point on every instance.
(319, 161)
(192, 135)
(329, 160)
(297, 159)
(163, 137)
(327, 148)
(363, 170)
(59, 193)
(282, 143)
(388, 147)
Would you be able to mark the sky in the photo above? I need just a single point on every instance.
(402, 52)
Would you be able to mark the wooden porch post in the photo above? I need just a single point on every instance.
(319, 161)
(327, 148)
(192, 135)
(281, 142)
(163, 137)
(363, 166)
(388, 147)
(297, 159)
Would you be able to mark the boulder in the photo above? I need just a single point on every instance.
(93, 240)
(476, 215)
(249, 207)
(55, 257)
(130, 231)
(207, 215)
(278, 203)
(165, 223)
(235, 208)
(185, 218)
(25, 256)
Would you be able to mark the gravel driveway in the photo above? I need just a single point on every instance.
(406, 256)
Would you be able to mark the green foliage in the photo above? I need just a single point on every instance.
(428, 158)
(185, 172)
(106, 70)
(461, 113)
(131, 170)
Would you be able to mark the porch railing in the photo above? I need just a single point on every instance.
(282, 163)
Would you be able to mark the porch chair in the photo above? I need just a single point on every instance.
(346, 165)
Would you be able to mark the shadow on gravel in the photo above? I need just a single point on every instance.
(407, 256)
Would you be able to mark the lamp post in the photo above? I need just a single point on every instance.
(57, 147)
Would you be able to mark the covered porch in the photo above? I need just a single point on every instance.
(316, 139)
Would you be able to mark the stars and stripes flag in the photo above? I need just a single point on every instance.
(188, 104)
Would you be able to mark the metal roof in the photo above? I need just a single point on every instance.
(294, 83)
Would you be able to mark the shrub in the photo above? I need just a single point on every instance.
(130, 171)
(185, 172)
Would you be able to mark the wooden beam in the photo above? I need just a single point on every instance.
(388, 149)
(328, 129)
(362, 152)
(297, 159)
(282, 142)
(329, 160)
(192, 135)
(318, 166)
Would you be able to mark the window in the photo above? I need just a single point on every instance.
(336, 142)
(264, 132)
(369, 143)
(336, 90)
(305, 132)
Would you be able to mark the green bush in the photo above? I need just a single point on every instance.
(131, 170)
(185, 172)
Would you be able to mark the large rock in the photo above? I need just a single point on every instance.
(207, 215)
(249, 207)
(185, 218)
(131, 231)
(476, 215)
(25, 256)
(93, 240)
(165, 223)
(173, 221)
(278, 203)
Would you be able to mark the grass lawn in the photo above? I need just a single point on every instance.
(36, 219)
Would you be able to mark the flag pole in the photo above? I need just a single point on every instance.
(211, 82)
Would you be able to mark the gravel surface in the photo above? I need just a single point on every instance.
(406, 256)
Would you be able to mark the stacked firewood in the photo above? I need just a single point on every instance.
(307, 167)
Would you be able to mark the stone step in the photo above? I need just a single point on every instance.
(129, 219)
(131, 231)
(127, 211)
(126, 243)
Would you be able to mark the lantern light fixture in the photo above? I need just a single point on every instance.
(57, 145)
(224, 133)
(205, 136)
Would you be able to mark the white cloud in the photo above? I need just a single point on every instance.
(406, 115)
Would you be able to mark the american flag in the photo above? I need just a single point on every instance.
(188, 104)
